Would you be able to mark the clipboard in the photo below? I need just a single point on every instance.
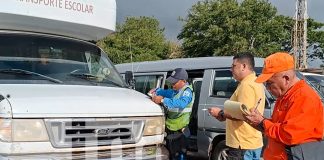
(236, 109)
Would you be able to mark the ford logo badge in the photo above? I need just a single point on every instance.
(102, 132)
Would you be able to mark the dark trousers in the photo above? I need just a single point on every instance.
(306, 151)
(176, 143)
(235, 154)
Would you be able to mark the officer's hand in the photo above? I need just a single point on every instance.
(157, 99)
(152, 91)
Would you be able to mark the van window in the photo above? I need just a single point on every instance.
(224, 84)
(144, 83)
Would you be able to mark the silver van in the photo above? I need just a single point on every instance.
(60, 95)
(212, 83)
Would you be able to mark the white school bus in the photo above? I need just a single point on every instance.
(60, 95)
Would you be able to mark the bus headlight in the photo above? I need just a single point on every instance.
(23, 130)
(154, 126)
(5, 130)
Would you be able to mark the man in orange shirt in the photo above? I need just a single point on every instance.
(298, 113)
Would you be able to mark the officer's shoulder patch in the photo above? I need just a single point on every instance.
(186, 93)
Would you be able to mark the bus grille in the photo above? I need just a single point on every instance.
(93, 132)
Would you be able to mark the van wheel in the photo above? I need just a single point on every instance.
(219, 151)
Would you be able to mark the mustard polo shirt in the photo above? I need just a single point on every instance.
(239, 134)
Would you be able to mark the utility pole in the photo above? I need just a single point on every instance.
(299, 35)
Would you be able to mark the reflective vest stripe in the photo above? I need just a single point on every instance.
(174, 113)
(179, 119)
(185, 110)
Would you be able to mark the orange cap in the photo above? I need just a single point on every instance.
(277, 62)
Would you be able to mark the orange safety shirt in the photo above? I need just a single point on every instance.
(297, 118)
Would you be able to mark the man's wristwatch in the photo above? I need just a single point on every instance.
(221, 113)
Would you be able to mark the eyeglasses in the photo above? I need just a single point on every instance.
(268, 84)
(175, 83)
(234, 65)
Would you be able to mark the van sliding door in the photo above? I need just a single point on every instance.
(222, 86)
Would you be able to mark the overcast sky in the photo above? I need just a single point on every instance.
(168, 11)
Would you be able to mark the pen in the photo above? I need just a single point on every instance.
(257, 105)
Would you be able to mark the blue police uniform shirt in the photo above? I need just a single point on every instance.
(171, 102)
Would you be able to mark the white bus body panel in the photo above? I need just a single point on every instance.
(82, 19)
(48, 101)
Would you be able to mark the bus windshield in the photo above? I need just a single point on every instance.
(33, 58)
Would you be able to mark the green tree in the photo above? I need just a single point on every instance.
(139, 39)
(225, 27)
(315, 39)
(175, 51)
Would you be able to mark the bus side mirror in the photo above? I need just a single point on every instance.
(129, 78)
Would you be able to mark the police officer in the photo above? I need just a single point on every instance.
(178, 102)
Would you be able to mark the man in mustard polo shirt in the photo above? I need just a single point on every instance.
(244, 142)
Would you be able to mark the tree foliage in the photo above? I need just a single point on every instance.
(315, 39)
(138, 39)
(225, 27)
